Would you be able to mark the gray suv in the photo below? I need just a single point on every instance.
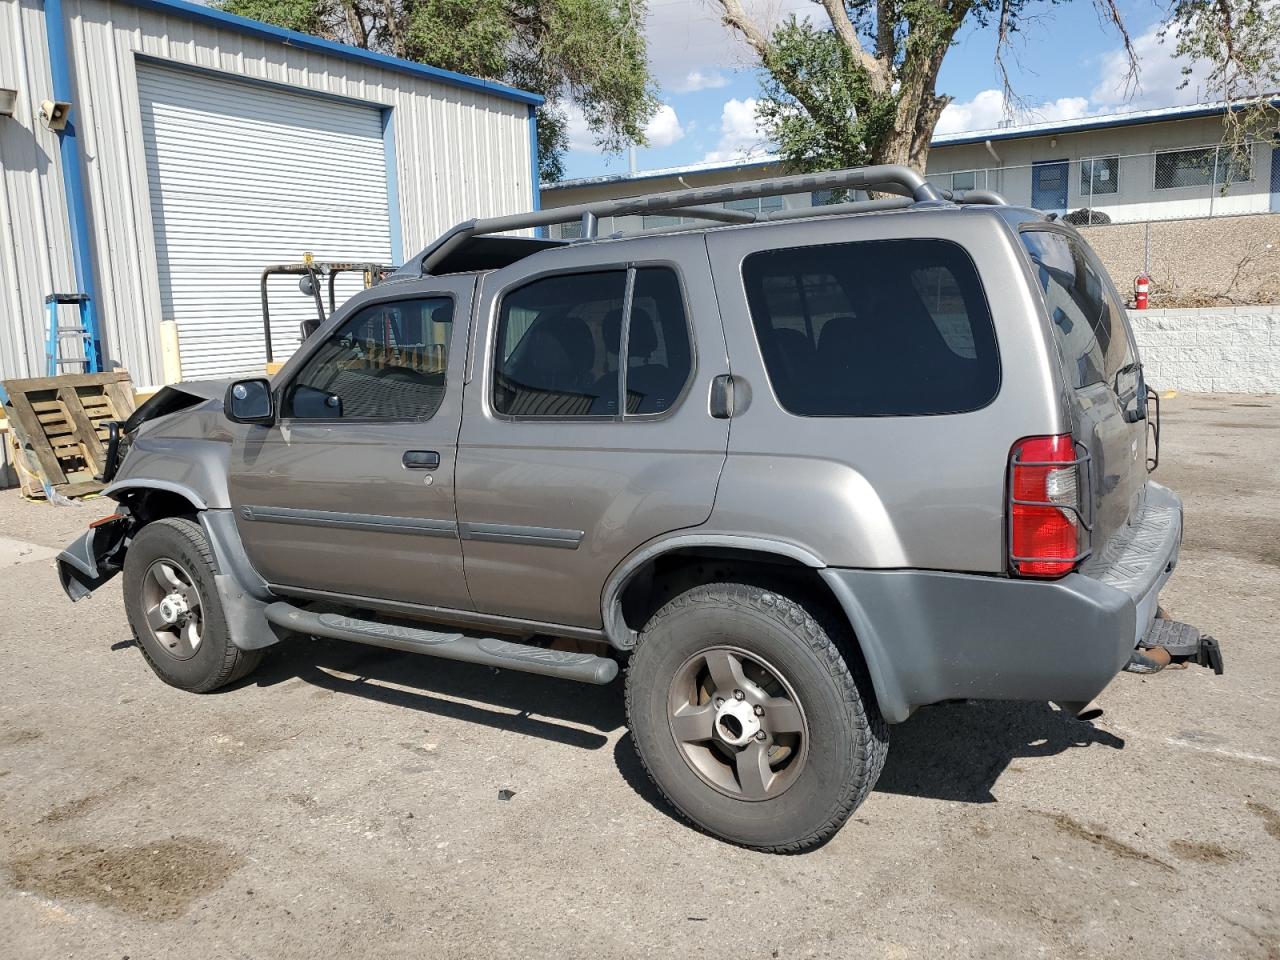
(802, 472)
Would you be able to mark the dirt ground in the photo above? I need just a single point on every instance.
(345, 801)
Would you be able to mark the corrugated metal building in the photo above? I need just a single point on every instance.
(202, 147)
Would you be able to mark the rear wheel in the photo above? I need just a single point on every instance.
(174, 609)
(749, 719)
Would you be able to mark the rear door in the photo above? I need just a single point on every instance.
(1100, 366)
(587, 430)
(351, 491)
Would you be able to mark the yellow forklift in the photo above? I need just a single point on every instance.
(313, 275)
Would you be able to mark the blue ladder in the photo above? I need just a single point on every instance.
(57, 334)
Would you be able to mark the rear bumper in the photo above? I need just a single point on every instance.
(930, 636)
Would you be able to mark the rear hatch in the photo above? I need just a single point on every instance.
(1102, 372)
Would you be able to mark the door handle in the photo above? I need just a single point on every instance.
(420, 460)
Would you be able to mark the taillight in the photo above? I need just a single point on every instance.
(1044, 504)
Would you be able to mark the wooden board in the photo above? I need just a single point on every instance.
(62, 421)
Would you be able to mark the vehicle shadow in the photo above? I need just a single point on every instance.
(543, 707)
(953, 752)
(958, 751)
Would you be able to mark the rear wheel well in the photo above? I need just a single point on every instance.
(672, 573)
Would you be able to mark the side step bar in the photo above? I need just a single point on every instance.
(489, 651)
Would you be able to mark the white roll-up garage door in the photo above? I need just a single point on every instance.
(243, 176)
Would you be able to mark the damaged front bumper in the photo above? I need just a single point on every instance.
(95, 556)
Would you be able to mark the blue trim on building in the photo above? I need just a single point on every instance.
(393, 185)
(534, 178)
(73, 181)
(533, 159)
(292, 38)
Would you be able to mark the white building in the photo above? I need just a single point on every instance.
(1144, 165)
(202, 147)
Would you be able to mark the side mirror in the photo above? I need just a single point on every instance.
(307, 328)
(249, 401)
(307, 286)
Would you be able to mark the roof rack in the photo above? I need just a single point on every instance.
(694, 202)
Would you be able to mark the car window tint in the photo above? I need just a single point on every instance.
(1088, 324)
(387, 362)
(557, 346)
(874, 328)
(659, 355)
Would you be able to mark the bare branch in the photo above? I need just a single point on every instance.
(735, 18)
(848, 35)
(886, 42)
(1108, 10)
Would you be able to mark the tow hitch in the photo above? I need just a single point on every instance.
(1184, 644)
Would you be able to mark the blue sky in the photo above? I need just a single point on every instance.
(1068, 64)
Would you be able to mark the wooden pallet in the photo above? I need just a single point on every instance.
(62, 422)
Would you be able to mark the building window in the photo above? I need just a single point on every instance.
(1200, 167)
(1099, 175)
(756, 204)
(659, 220)
(968, 180)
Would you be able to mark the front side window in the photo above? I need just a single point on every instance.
(1099, 175)
(1087, 323)
(558, 345)
(873, 328)
(387, 362)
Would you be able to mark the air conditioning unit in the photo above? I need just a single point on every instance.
(8, 100)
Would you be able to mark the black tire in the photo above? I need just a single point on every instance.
(848, 738)
(216, 661)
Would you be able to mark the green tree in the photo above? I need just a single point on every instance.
(863, 88)
(590, 53)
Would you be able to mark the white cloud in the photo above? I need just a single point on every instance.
(688, 37)
(697, 80)
(987, 109)
(664, 127)
(741, 137)
(1161, 73)
(580, 135)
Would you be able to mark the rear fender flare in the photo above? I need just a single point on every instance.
(621, 636)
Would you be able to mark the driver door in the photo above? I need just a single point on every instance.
(351, 490)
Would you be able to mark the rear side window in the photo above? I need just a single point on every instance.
(1088, 324)
(873, 328)
(559, 338)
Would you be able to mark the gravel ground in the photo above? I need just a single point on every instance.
(344, 801)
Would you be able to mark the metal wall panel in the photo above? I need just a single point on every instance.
(459, 153)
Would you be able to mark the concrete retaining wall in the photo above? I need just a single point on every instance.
(1217, 349)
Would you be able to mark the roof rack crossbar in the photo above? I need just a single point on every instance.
(889, 178)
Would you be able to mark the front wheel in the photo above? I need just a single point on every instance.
(174, 609)
(749, 718)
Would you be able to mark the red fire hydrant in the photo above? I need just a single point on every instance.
(1141, 291)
